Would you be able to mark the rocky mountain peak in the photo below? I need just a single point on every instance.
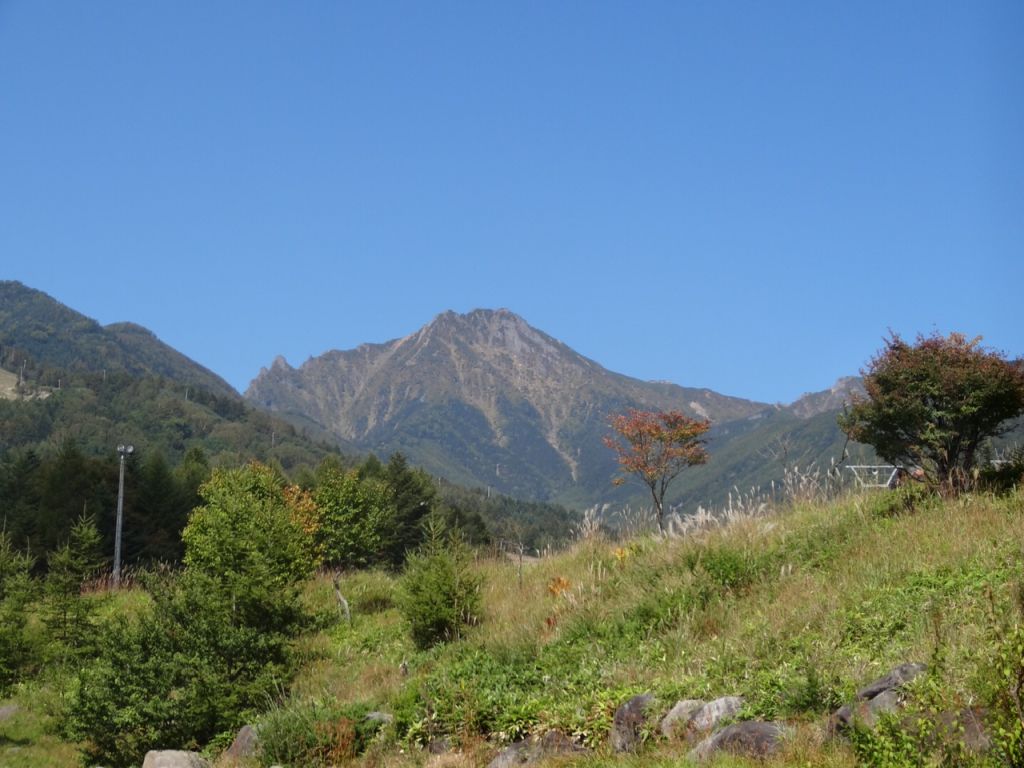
(494, 329)
(481, 397)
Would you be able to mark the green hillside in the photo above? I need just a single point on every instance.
(156, 414)
(58, 341)
(794, 612)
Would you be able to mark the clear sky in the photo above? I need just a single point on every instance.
(739, 195)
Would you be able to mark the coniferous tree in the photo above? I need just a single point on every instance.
(16, 592)
(371, 467)
(70, 485)
(191, 473)
(157, 515)
(20, 475)
(413, 497)
(68, 614)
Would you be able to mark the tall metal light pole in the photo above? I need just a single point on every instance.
(123, 451)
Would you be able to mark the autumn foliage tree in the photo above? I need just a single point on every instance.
(656, 446)
(933, 404)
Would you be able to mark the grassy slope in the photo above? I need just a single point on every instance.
(795, 612)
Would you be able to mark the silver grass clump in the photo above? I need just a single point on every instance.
(810, 484)
(590, 526)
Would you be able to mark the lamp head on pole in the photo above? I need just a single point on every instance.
(126, 450)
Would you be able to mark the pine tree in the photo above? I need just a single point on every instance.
(68, 613)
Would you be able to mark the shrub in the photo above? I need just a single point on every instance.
(1005, 679)
(439, 594)
(888, 745)
(315, 733)
(1006, 475)
(181, 674)
(141, 690)
(904, 500)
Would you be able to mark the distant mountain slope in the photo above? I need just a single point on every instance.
(54, 335)
(827, 401)
(754, 453)
(480, 398)
(101, 386)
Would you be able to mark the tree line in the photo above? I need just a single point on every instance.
(372, 511)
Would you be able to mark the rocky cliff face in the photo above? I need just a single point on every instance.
(482, 398)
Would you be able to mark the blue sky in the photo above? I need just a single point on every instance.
(739, 195)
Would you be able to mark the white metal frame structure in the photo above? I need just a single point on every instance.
(871, 475)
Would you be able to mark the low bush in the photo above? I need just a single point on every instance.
(315, 734)
(904, 500)
(888, 745)
(1004, 476)
(1004, 681)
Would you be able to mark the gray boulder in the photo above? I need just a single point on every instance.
(866, 713)
(899, 677)
(533, 750)
(8, 711)
(628, 720)
(747, 739)
(711, 714)
(516, 753)
(245, 743)
(879, 697)
(173, 758)
(677, 722)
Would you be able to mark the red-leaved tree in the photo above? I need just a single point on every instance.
(656, 446)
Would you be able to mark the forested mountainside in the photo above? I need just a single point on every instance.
(58, 340)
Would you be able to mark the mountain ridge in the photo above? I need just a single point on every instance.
(486, 390)
(55, 335)
(481, 399)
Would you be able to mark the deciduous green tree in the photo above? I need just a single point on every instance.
(933, 404)
(254, 541)
(355, 517)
